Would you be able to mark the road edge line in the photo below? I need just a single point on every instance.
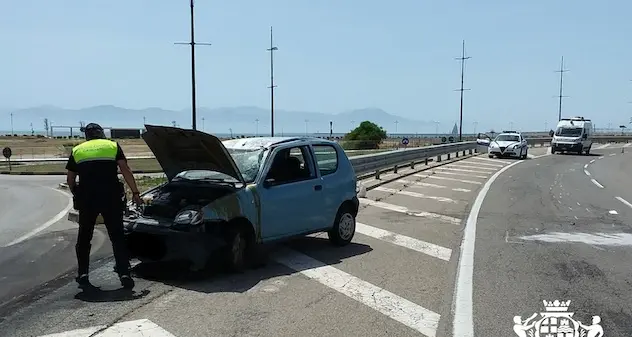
(463, 306)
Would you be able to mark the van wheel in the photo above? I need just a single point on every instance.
(344, 227)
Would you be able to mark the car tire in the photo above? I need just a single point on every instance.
(491, 156)
(588, 151)
(344, 227)
(238, 248)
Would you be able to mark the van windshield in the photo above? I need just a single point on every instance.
(569, 132)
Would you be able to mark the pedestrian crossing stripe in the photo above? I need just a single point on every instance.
(138, 328)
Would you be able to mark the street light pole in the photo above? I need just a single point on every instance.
(462, 59)
(12, 132)
(272, 86)
(192, 43)
(257, 127)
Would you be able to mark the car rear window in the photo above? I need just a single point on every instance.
(327, 159)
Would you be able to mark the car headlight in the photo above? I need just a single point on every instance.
(189, 217)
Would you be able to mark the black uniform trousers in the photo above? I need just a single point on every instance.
(110, 206)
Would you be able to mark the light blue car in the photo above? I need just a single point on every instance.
(239, 194)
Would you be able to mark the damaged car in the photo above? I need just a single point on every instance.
(238, 194)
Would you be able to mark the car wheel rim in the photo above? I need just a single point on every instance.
(237, 249)
(346, 226)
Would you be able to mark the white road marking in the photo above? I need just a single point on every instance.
(587, 173)
(382, 176)
(405, 241)
(586, 166)
(613, 154)
(497, 161)
(592, 161)
(596, 183)
(472, 167)
(600, 157)
(602, 239)
(481, 163)
(415, 195)
(625, 202)
(446, 178)
(463, 301)
(421, 184)
(613, 212)
(402, 209)
(460, 170)
(627, 145)
(406, 312)
(46, 224)
(460, 174)
(603, 146)
(138, 328)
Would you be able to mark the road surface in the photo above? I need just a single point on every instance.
(400, 275)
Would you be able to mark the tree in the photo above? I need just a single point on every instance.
(46, 126)
(367, 135)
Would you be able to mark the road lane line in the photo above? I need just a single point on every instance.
(46, 224)
(137, 328)
(405, 210)
(405, 241)
(478, 162)
(460, 174)
(460, 170)
(625, 202)
(415, 195)
(422, 184)
(587, 173)
(603, 146)
(400, 309)
(446, 178)
(596, 183)
(592, 161)
(586, 166)
(613, 154)
(463, 302)
(613, 212)
(627, 144)
(472, 167)
(489, 161)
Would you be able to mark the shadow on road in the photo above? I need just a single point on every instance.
(217, 279)
(117, 295)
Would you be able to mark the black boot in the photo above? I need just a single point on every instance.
(127, 282)
(84, 282)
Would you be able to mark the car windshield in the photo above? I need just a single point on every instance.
(508, 138)
(248, 162)
(569, 132)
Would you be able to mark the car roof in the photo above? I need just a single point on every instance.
(510, 133)
(266, 142)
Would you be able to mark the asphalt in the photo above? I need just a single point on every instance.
(398, 276)
(547, 232)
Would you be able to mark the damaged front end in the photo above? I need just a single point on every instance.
(185, 219)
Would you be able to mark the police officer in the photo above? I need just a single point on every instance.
(99, 191)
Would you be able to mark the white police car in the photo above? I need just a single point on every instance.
(508, 144)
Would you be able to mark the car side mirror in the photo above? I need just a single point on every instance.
(269, 183)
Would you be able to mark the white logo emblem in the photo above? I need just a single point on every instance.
(556, 321)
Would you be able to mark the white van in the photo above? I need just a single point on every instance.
(573, 135)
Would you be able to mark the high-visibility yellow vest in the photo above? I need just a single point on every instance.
(96, 149)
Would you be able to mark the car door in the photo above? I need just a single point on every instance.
(334, 184)
(524, 146)
(290, 194)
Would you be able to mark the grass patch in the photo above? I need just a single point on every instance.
(144, 184)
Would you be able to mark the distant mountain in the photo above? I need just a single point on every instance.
(242, 120)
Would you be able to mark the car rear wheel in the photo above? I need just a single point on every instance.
(344, 227)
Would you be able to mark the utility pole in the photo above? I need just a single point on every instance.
(203, 129)
(462, 59)
(396, 122)
(561, 71)
(257, 127)
(192, 43)
(12, 132)
(272, 86)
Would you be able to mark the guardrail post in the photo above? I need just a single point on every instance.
(377, 174)
(412, 164)
(426, 160)
(476, 150)
(470, 151)
(395, 169)
(449, 156)
(464, 152)
(438, 158)
(456, 154)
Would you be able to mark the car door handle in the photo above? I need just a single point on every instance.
(318, 187)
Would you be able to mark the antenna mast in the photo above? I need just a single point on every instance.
(193, 43)
(272, 86)
(462, 59)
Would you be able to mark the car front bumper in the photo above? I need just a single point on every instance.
(567, 146)
(503, 152)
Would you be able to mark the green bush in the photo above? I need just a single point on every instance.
(366, 136)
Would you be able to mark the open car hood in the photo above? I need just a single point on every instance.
(180, 150)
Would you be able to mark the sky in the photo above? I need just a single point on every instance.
(333, 56)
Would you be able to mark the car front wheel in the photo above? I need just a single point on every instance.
(344, 227)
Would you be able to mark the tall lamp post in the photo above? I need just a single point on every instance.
(272, 86)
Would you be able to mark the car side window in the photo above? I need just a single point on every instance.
(291, 165)
(326, 158)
